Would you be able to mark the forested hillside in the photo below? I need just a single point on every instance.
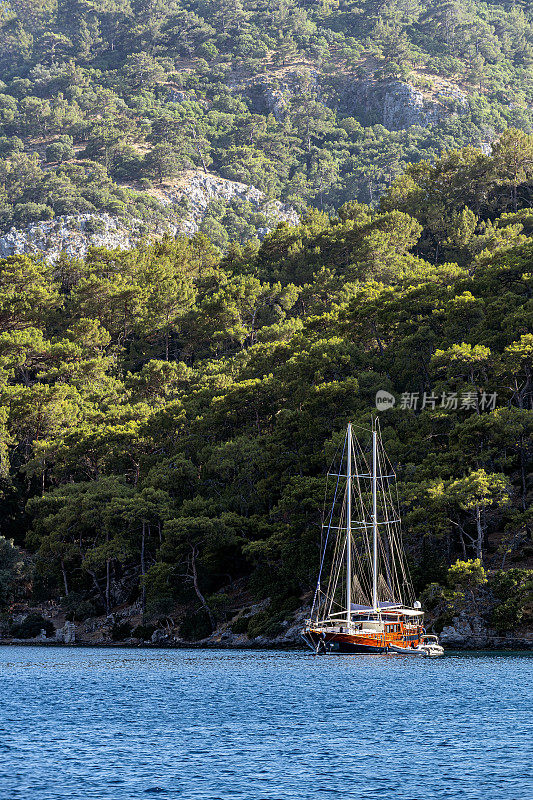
(313, 103)
(169, 414)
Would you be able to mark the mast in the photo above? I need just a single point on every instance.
(349, 528)
(374, 518)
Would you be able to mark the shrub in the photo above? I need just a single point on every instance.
(120, 631)
(432, 596)
(195, 626)
(467, 574)
(10, 145)
(270, 621)
(77, 608)
(14, 571)
(24, 213)
(219, 603)
(514, 587)
(32, 626)
(95, 225)
(59, 151)
(143, 632)
(507, 615)
(116, 207)
(208, 50)
(265, 624)
(158, 607)
(240, 625)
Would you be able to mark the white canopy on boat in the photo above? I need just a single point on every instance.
(382, 606)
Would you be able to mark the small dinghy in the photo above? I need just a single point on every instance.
(429, 647)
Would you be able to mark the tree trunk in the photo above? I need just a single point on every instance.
(97, 586)
(378, 340)
(479, 540)
(463, 545)
(64, 573)
(524, 487)
(199, 150)
(143, 567)
(108, 586)
(199, 595)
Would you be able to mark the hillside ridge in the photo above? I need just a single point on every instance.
(194, 192)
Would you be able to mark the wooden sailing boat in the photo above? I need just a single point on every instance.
(368, 603)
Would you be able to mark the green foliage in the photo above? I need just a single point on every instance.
(467, 574)
(166, 414)
(514, 590)
(193, 473)
(240, 625)
(269, 622)
(97, 97)
(143, 632)
(77, 608)
(60, 150)
(15, 570)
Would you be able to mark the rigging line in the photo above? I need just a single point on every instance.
(359, 464)
(395, 558)
(333, 461)
(401, 559)
(361, 427)
(399, 565)
(362, 557)
(328, 474)
(334, 559)
(338, 560)
(329, 528)
(363, 552)
(385, 540)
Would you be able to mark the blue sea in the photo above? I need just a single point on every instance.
(263, 725)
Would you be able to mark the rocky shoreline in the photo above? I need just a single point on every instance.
(471, 634)
(465, 628)
(252, 645)
(461, 635)
(504, 644)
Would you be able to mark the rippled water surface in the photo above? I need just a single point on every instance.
(120, 724)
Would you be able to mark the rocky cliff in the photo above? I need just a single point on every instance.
(198, 189)
(190, 194)
(72, 234)
(395, 104)
(471, 632)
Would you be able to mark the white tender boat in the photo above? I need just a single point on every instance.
(429, 647)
